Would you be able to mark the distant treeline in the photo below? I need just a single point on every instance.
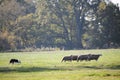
(59, 24)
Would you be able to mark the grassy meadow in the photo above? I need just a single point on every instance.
(47, 65)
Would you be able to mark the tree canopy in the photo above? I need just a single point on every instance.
(68, 24)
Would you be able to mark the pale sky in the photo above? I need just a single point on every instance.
(116, 1)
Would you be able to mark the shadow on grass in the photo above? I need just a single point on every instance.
(115, 67)
(91, 67)
(27, 69)
(101, 67)
(58, 68)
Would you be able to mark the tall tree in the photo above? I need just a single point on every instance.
(10, 13)
(57, 17)
(110, 21)
(84, 11)
(103, 32)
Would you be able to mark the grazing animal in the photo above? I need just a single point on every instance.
(94, 57)
(83, 57)
(12, 61)
(67, 58)
(74, 57)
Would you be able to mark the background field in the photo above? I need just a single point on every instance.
(46, 65)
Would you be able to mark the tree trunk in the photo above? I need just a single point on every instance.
(79, 24)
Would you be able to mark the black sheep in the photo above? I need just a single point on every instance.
(94, 57)
(67, 58)
(74, 57)
(83, 57)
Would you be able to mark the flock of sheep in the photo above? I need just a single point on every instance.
(86, 57)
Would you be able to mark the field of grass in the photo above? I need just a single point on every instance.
(46, 65)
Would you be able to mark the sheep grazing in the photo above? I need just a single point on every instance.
(83, 57)
(94, 57)
(67, 58)
(12, 61)
(74, 57)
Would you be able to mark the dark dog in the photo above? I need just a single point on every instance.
(12, 61)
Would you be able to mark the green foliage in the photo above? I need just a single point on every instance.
(104, 30)
(72, 24)
(7, 41)
(109, 19)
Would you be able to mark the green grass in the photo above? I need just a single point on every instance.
(47, 65)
